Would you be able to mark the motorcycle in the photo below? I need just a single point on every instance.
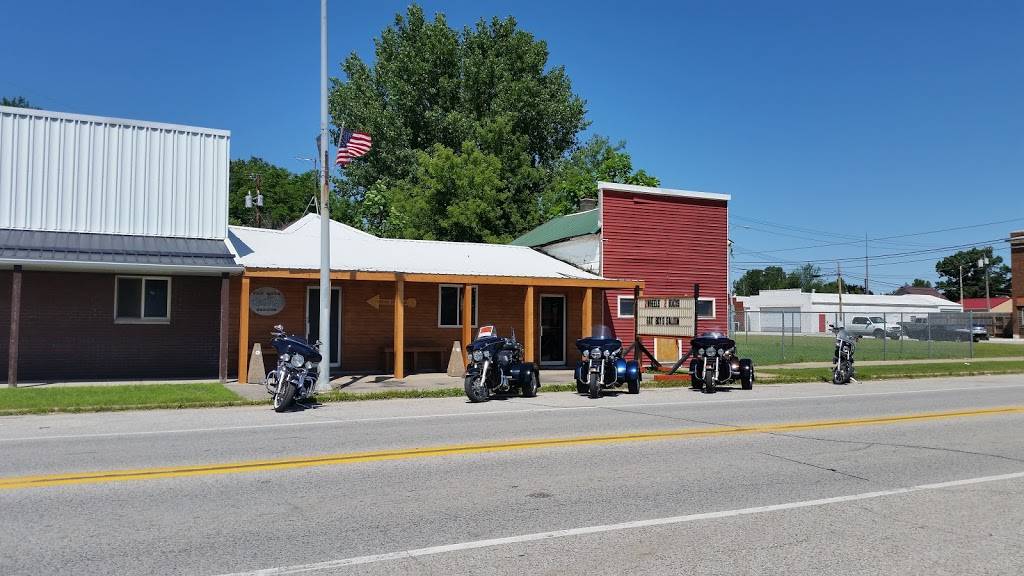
(602, 366)
(715, 363)
(842, 358)
(496, 366)
(294, 377)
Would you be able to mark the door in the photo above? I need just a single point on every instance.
(667, 350)
(313, 321)
(552, 329)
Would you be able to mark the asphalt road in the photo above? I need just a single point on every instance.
(901, 477)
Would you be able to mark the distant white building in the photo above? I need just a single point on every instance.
(792, 310)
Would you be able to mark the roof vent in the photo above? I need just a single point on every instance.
(587, 204)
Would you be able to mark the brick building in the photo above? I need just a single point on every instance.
(113, 261)
(670, 239)
(1017, 289)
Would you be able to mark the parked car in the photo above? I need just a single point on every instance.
(874, 326)
(976, 333)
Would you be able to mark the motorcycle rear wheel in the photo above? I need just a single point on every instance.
(595, 386)
(529, 390)
(476, 390)
(283, 399)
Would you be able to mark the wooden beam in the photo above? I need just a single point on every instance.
(588, 313)
(399, 343)
(243, 332)
(467, 320)
(529, 322)
(12, 346)
(225, 321)
(445, 278)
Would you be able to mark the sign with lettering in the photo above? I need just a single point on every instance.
(266, 301)
(665, 316)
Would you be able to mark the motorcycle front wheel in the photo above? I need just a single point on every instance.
(841, 375)
(595, 386)
(475, 388)
(284, 397)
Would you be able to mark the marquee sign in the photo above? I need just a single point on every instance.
(666, 316)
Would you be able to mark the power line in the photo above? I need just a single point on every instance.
(881, 256)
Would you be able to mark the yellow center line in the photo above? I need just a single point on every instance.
(18, 482)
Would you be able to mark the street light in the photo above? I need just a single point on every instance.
(983, 264)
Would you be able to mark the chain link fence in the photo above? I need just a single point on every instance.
(783, 337)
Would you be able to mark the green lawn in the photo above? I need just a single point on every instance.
(962, 368)
(101, 398)
(767, 349)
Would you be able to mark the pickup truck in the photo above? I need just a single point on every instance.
(941, 328)
(874, 326)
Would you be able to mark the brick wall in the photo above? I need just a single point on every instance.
(1017, 281)
(366, 331)
(68, 330)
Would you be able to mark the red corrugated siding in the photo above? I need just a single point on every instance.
(670, 243)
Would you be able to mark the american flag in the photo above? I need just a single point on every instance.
(352, 145)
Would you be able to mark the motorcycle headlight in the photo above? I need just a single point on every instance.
(721, 351)
(297, 360)
(595, 353)
(478, 355)
(607, 353)
(710, 351)
(285, 357)
(487, 353)
(308, 366)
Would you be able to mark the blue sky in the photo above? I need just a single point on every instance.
(877, 118)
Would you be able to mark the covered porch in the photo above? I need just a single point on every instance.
(398, 323)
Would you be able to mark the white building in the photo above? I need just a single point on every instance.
(792, 310)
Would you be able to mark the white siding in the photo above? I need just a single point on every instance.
(582, 252)
(73, 173)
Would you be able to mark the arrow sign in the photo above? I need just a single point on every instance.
(377, 302)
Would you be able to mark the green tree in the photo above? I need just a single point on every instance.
(574, 176)
(974, 277)
(919, 283)
(483, 101)
(286, 195)
(16, 102)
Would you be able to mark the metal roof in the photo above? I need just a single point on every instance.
(298, 248)
(616, 187)
(68, 249)
(561, 228)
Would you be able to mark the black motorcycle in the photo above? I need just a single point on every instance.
(602, 366)
(714, 363)
(296, 373)
(496, 367)
(842, 357)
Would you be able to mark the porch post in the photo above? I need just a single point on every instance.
(12, 347)
(225, 298)
(243, 332)
(588, 309)
(399, 343)
(467, 320)
(528, 325)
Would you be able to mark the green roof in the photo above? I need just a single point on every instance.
(561, 228)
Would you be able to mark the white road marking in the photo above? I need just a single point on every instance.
(476, 544)
(326, 422)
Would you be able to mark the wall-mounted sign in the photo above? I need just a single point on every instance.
(376, 302)
(671, 316)
(266, 301)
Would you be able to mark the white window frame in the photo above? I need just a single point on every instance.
(618, 306)
(142, 319)
(714, 309)
(476, 305)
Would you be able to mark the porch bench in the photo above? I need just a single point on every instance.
(414, 351)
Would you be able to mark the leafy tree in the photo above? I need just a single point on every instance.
(286, 195)
(974, 278)
(16, 102)
(596, 160)
(919, 283)
(483, 102)
(807, 278)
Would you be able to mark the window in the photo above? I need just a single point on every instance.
(449, 306)
(706, 308)
(627, 307)
(860, 320)
(142, 299)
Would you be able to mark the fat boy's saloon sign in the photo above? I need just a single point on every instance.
(672, 316)
(266, 301)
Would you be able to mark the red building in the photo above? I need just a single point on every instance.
(670, 239)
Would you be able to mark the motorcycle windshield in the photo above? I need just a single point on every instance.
(587, 344)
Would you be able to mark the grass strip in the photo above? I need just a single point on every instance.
(962, 368)
(115, 398)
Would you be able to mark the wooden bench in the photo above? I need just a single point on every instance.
(414, 351)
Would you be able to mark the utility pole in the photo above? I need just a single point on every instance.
(323, 382)
(866, 275)
(961, 287)
(839, 281)
(983, 264)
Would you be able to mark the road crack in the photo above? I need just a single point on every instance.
(840, 472)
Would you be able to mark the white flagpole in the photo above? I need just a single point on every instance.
(323, 383)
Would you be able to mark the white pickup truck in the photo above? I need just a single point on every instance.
(874, 326)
